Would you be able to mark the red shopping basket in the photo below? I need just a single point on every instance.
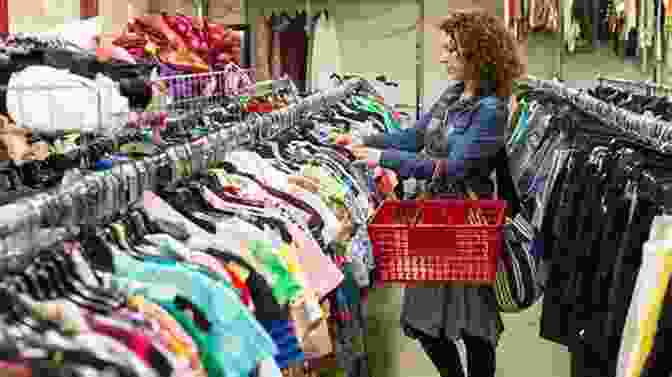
(438, 240)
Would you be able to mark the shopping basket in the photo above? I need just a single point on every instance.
(438, 240)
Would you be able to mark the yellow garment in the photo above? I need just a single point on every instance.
(649, 321)
(642, 321)
(288, 255)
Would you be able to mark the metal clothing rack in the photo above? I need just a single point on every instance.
(653, 132)
(645, 87)
(100, 195)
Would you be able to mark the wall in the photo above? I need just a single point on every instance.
(222, 11)
(41, 15)
(380, 37)
(433, 72)
(376, 37)
(115, 13)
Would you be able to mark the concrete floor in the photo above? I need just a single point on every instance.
(521, 353)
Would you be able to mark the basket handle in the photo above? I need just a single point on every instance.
(408, 216)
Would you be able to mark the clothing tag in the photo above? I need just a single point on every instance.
(312, 311)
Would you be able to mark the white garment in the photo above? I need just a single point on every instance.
(326, 54)
(268, 368)
(73, 105)
(81, 32)
(331, 223)
(653, 276)
(200, 239)
(568, 20)
(252, 163)
(647, 27)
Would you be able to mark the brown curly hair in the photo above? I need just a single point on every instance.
(488, 49)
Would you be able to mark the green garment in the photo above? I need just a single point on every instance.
(285, 287)
(198, 336)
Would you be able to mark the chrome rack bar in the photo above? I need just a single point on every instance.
(654, 132)
(645, 87)
(101, 194)
(660, 89)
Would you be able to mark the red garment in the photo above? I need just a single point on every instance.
(4, 16)
(294, 50)
(241, 286)
(276, 56)
(88, 8)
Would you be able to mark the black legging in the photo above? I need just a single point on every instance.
(446, 358)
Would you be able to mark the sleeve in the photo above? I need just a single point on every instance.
(483, 139)
(410, 140)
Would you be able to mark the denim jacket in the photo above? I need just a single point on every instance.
(464, 134)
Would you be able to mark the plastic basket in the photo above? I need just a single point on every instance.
(436, 241)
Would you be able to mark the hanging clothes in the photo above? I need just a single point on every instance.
(326, 54)
(264, 37)
(294, 50)
(561, 159)
(219, 275)
(276, 50)
(648, 24)
(630, 13)
(645, 308)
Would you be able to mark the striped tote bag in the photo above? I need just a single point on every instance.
(517, 286)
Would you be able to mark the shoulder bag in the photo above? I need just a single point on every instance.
(517, 286)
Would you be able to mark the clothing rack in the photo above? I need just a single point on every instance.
(100, 195)
(648, 87)
(644, 87)
(656, 133)
(273, 86)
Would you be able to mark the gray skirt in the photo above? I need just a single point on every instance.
(448, 311)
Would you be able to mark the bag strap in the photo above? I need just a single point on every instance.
(506, 189)
(472, 195)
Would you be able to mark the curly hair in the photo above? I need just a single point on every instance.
(487, 48)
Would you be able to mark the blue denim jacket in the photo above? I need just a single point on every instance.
(470, 136)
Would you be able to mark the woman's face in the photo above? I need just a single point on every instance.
(450, 56)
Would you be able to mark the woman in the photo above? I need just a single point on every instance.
(458, 144)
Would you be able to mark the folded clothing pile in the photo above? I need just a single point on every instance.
(190, 44)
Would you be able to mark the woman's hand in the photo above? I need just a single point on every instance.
(370, 155)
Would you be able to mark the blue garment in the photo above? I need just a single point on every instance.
(478, 138)
(240, 340)
(284, 336)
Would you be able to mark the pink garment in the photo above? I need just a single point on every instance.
(209, 262)
(162, 340)
(276, 56)
(137, 342)
(322, 275)
(169, 325)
